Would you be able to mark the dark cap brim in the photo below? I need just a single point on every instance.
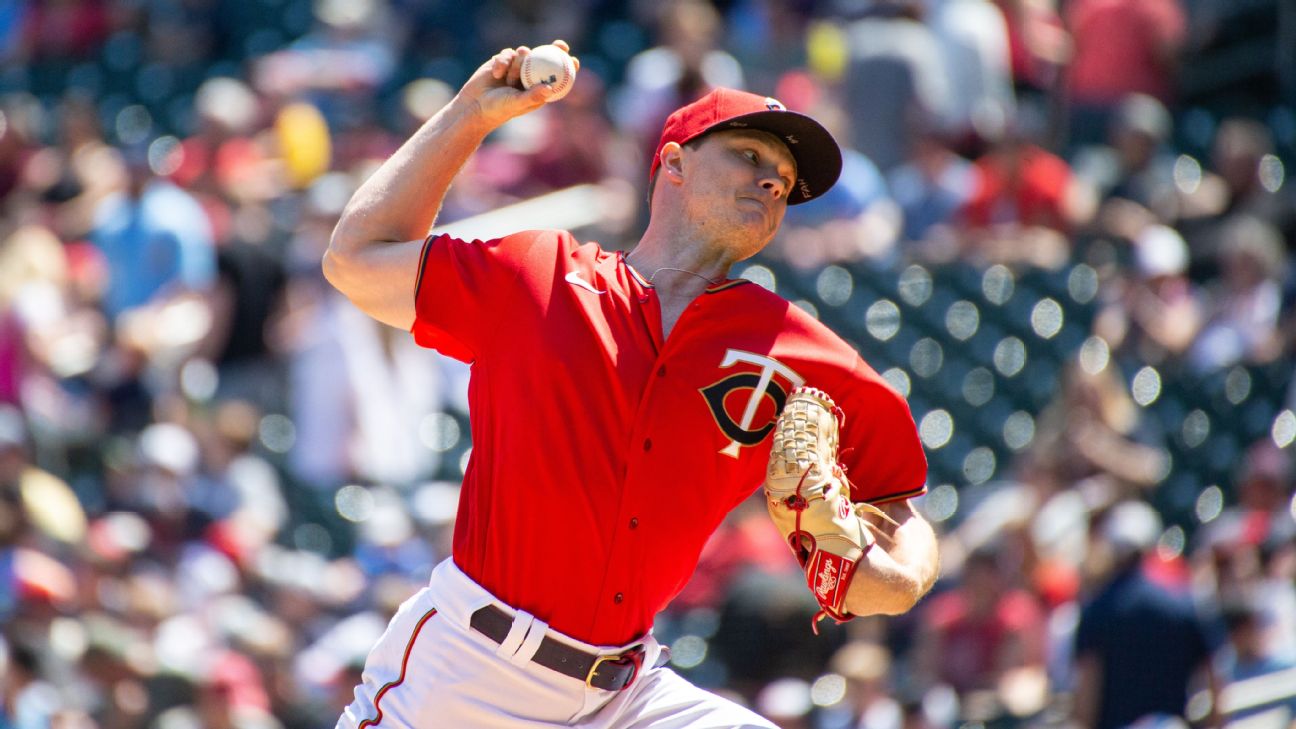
(818, 158)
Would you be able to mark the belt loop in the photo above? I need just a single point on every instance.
(517, 633)
(531, 643)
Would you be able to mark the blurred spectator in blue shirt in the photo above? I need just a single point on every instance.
(1139, 643)
(767, 37)
(27, 702)
(1249, 655)
(931, 187)
(856, 219)
(155, 236)
(1134, 172)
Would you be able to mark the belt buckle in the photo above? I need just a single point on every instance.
(632, 658)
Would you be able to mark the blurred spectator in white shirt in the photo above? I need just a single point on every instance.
(974, 39)
(896, 74)
(1155, 312)
(1244, 304)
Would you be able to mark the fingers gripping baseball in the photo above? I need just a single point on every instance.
(808, 498)
(497, 86)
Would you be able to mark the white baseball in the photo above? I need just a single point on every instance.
(549, 64)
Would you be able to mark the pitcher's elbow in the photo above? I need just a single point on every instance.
(890, 598)
(332, 268)
(902, 599)
(347, 239)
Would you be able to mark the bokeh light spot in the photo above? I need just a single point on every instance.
(1284, 429)
(761, 276)
(834, 285)
(277, 433)
(1237, 385)
(354, 503)
(1172, 542)
(1082, 283)
(1196, 428)
(1094, 355)
(1272, 173)
(1010, 356)
(979, 465)
(941, 503)
(936, 429)
(978, 386)
(926, 357)
(1210, 504)
(1046, 318)
(688, 651)
(828, 690)
(899, 380)
(1146, 387)
(962, 320)
(915, 285)
(439, 432)
(997, 283)
(1187, 174)
(199, 380)
(882, 320)
(1019, 430)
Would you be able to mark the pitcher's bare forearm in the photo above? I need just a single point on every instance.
(373, 255)
(400, 201)
(899, 569)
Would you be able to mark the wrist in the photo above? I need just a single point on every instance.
(466, 112)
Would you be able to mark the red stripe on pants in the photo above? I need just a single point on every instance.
(409, 647)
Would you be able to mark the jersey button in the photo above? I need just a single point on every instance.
(661, 371)
(634, 522)
(647, 444)
(618, 598)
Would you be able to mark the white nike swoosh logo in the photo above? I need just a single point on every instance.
(575, 279)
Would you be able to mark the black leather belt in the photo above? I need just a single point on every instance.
(610, 673)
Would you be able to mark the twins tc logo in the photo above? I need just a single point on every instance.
(762, 384)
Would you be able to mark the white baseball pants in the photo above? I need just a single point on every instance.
(431, 670)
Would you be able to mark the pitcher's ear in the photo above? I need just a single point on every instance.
(671, 159)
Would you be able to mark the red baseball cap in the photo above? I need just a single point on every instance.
(818, 158)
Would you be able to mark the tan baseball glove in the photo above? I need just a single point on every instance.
(808, 497)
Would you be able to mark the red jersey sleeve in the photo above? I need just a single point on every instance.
(461, 288)
(880, 449)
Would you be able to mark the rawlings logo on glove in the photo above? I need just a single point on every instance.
(808, 497)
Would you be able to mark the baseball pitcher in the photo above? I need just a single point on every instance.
(622, 404)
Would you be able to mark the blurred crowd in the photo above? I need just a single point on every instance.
(218, 479)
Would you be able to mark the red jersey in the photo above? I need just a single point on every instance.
(1028, 187)
(1122, 47)
(604, 455)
